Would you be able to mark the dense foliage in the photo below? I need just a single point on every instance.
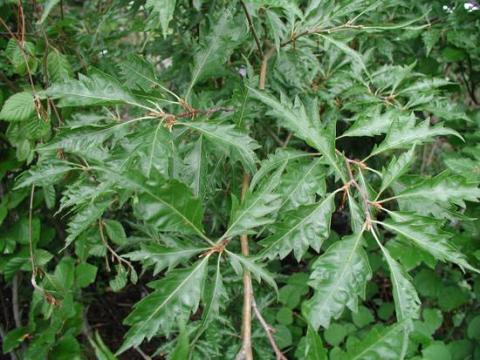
(188, 179)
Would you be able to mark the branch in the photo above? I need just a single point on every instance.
(252, 28)
(268, 330)
(110, 249)
(15, 308)
(245, 352)
(263, 67)
(363, 194)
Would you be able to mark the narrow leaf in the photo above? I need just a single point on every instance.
(396, 168)
(258, 208)
(162, 257)
(241, 263)
(444, 189)
(425, 234)
(163, 10)
(93, 91)
(405, 134)
(407, 303)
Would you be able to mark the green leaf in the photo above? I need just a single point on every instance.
(300, 228)
(473, 329)
(64, 275)
(18, 107)
(215, 48)
(120, 280)
(258, 207)
(59, 69)
(368, 124)
(354, 56)
(22, 58)
(445, 189)
(47, 8)
(83, 219)
(85, 274)
(241, 263)
(14, 338)
(407, 303)
(396, 168)
(152, 150)
(227, 139)
(137, 73)
(314, 349)
(115, 232)
(404, 134)
(181, 350)
(167, 204)
(270, 164)
(304, 122)
(197, 162)
(215, 296)
(175, 297)
(284, 316)
(385, 344)
(44, 174)
(90, 91)
(430, 39)
(437, 350)
(302, 182)
(362, 317)
(425, 234)
(335, 334)
(102, 352)
(162, 257)
(163, 10)
(339, 276)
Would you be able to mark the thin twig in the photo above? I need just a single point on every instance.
(245, 352)
(363, 195)
(142, 354)
(110, 249)
(15, 308)
(50, 299)
(268, 330)
(252, 28)
(287, 140)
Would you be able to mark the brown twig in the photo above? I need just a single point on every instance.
(110, 249)
(263, 67)
(252, 28)
(48, 297)
(363, 195)
(194, 112)
(245, 352)
(268, 330)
